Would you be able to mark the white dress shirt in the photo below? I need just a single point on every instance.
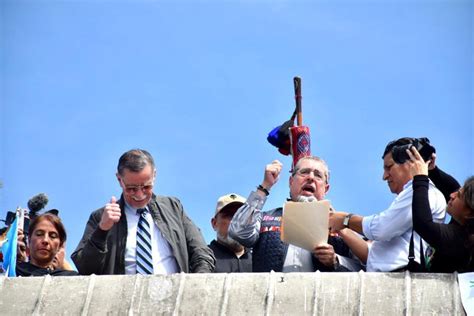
(298, 260)
(163, 260)
(391, 230)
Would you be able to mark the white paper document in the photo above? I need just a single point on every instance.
(305, 224)
(466, 287)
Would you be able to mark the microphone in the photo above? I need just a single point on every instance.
(303, 198)
(37, 203)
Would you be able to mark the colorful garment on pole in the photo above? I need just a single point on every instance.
(300, 143)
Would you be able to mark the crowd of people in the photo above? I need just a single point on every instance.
(141, 232)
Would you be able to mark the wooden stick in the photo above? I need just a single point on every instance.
(298, 97)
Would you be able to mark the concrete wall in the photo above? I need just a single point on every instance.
(235, 294)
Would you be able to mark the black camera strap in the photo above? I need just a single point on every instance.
(411, 252)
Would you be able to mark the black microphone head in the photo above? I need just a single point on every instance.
(53, 211)
(37, 202)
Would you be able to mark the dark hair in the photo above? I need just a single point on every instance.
(468, 198)
(468, 193)
(135, 160)
(53, 219)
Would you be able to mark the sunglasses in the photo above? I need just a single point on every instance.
(133, 189)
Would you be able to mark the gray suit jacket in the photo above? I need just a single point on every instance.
(103, 252)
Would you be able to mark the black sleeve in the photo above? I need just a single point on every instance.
(89, 256)
(443, 237)
(444, 182)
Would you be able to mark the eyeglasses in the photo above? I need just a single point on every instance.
(133, 189)
(305, 172)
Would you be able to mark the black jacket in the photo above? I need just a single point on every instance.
(444, 182)
(227, 261)
(27, 269)
(448, 240)
(269, 252)
(103, 252)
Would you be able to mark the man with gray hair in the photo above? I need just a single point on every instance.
(141, 232)
(230, 255)
(261, 230)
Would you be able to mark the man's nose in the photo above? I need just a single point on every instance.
(139, 192)
(311, 176)
(385, 175)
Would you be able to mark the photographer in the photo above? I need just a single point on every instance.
(450, 241)
(391, 230)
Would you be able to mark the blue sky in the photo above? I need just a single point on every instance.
(200, 84)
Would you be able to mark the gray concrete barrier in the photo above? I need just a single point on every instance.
(235, 294)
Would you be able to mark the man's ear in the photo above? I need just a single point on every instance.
(214, 223)
(118, 178)
(327, 188)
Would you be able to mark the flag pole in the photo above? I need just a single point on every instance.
(298, 97)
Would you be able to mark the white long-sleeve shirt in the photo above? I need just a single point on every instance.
(391, 230)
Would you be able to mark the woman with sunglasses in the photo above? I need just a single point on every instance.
(453, 249)
(46, 237)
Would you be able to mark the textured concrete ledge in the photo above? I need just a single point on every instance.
(235, 294)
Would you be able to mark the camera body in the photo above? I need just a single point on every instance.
(11, 216)
(423, 146)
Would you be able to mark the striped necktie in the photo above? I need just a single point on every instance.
(144, 254)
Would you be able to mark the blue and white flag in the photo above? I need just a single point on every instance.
(9, 249)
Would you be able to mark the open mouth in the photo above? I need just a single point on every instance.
(308, 189)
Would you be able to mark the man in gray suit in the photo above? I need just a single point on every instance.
(112, 239)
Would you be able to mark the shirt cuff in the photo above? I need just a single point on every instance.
(366, 222)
